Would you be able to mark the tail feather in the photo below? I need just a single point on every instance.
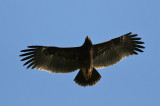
(80, 80)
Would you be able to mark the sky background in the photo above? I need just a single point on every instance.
(135, 81)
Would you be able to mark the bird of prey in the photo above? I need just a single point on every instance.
(87, 57)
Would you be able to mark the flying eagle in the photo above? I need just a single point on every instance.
(87, 57)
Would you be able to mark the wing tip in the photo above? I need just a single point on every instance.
(137, 43)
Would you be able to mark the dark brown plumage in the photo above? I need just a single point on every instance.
(87, 57)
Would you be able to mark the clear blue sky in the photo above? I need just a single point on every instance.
(134, 81)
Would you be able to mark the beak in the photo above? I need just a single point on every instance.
(87, 38)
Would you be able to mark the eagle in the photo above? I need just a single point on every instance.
(87, 58)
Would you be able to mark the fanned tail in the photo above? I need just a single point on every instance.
(80, 80)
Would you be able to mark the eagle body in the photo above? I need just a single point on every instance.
(87, 57)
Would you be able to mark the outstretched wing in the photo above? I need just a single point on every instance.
(111, 52)
(52, 59)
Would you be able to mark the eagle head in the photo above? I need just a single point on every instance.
(87, 42)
